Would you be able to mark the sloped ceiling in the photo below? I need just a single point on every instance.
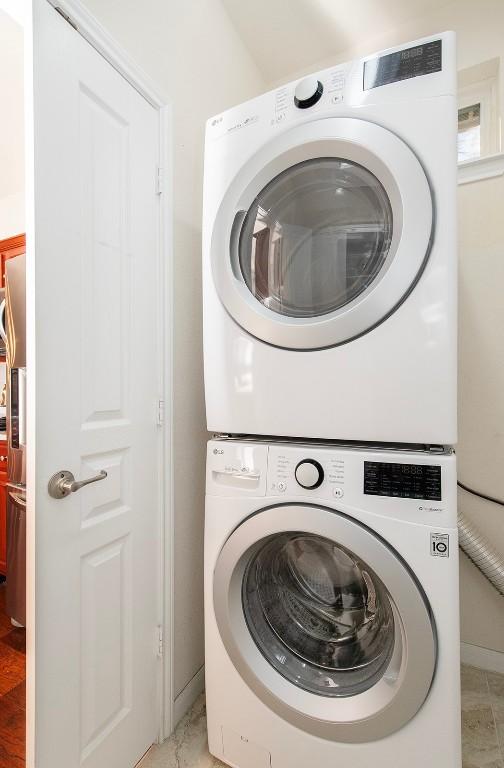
(287, 36)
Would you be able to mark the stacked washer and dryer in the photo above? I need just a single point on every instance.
(331, 569)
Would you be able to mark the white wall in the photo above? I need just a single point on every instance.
(480, 36)
(11, 128)
(192, 50)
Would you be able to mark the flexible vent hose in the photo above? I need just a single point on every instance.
(479, 550)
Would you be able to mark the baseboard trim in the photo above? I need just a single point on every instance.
(188, 696)
(484, 658)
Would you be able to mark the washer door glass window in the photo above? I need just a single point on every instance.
(318, 614)
(315, 237)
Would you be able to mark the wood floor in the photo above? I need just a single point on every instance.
(12, 691)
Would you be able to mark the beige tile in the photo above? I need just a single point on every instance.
(496, 693)
(482, 729)
(498, 712)
(474, 688)
(496, 687)
(188, 747)
(480, 746)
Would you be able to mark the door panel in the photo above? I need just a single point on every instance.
(93, 353)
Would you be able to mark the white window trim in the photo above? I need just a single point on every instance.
(481, 168)
(483, 93)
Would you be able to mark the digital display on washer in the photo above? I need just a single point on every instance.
(404, 481)
(401, 65)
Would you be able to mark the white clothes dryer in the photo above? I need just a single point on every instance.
(329, 254)
(331, 606)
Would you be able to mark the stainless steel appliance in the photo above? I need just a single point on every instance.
(15, 323)
(15, 602)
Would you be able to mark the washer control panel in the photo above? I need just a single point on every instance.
(414, 485)
(304, 471)
(404, 481)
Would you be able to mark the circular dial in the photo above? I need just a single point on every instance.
(308, 91)
(309, 474)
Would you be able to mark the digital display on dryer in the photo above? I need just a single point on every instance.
(404, 481)
(402, 65)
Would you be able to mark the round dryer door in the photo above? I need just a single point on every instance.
(322, 234)
(325, 622)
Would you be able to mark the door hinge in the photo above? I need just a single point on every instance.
(159, 180)
(160, 650)
(65, 16)
(160, 413)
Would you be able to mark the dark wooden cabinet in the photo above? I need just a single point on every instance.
(12, 246)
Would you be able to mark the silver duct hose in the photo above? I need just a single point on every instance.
(479, 550)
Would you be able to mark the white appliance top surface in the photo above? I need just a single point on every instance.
(417, 486)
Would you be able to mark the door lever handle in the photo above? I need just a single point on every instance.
(63, 483)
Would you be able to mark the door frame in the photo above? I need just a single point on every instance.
(100, 39)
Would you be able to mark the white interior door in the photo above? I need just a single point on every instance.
(93, 378)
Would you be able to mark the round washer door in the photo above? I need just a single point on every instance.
(324, 622)
(322, 234)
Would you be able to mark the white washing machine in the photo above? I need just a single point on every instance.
(331, 606)
(329, 254)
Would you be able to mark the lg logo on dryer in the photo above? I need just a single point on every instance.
(440, 545)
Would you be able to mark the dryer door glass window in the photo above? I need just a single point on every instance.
(316, 237)
(318, 614)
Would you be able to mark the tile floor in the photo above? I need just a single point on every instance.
(12, 691)
(482, 729)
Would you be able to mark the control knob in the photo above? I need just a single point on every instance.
(309, 474)
(308, 91)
